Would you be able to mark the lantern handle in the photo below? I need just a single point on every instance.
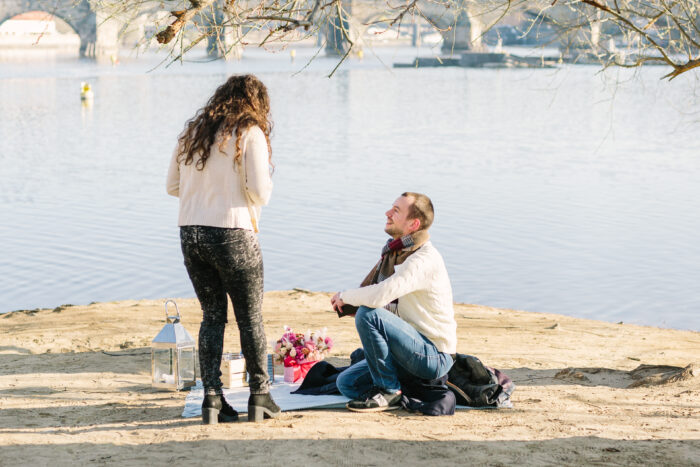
(172, 319)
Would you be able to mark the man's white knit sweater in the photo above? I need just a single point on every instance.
(214, 196)
(423, 288)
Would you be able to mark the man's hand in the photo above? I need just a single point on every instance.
(337, 303)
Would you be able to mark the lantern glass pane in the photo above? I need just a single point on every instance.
(186, 361)
(163, 366)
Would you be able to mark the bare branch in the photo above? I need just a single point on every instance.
(182, 17)
(400, 16)
(680, 69)
(661, 31)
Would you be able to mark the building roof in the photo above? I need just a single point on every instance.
(34, 16)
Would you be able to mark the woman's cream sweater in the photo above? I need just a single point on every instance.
(214, 196)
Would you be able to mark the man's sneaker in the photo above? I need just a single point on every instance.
(376, 401)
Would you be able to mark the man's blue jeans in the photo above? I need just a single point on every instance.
(392, 347)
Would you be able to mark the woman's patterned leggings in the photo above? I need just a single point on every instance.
(219, 262)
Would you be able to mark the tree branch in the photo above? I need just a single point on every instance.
(629, 24)
(679, 69)
(182, 17)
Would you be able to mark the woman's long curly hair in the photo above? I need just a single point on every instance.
(240, 103)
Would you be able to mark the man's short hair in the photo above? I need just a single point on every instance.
(421, 209)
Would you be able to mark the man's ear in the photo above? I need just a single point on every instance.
(415, 225)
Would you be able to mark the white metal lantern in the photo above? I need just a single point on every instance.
(173, 356)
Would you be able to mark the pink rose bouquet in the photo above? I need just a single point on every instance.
(295, 348)
(298, 352)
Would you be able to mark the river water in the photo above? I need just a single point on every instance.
(566, 191)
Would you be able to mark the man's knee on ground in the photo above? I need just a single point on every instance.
(344, 384)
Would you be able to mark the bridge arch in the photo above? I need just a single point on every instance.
(39, 28)
(78, 14)
(461, 30)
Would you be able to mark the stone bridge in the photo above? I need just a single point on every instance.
(99, 35)
(99, 28)
(461, 27)
(99, 31)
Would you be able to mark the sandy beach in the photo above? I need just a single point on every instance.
(75, 389)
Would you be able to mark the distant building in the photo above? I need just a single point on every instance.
(36, 31)
(32, 23)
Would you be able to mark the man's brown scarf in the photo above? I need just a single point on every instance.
(394, 252)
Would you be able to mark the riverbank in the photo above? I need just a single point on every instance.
(75, 388)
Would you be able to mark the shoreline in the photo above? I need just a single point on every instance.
(65, 306)
(586, 392)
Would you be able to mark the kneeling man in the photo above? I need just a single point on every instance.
(405, 317)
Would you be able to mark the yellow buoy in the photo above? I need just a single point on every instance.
(86, 91)
(293, 54)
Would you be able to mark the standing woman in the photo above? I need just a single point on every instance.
(220, 170)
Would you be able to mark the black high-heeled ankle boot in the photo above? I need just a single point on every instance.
(261, 406)
(215, 410)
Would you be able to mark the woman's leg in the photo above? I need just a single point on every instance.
(240, 267)
(212, 298)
